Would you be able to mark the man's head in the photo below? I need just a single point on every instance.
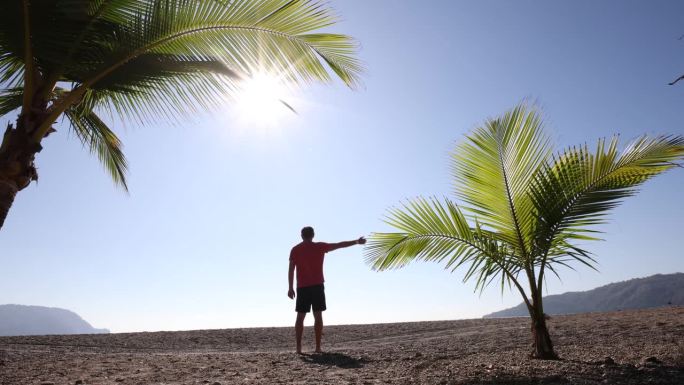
(307, 233)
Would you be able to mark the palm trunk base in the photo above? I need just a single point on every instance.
(8, 191)
(543, 347)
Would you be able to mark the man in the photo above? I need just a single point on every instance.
(307, 259)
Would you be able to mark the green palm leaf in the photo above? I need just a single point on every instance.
(181, 85)
(577, 190)
(430, 230)
(11, 71)
(101, 141)
(492, 171)
(10, 100)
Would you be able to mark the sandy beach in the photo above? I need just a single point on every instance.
(629, 347)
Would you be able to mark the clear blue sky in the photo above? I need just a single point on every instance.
(202, 240)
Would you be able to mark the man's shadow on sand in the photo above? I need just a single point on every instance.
(339, 360)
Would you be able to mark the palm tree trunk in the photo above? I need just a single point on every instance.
(8, 191)
(17, 169)
(543, 347)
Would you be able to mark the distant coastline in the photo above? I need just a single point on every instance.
(25, 320)
(639, 293)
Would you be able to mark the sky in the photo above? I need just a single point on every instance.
(203, 238)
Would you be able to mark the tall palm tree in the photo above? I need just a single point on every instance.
(142, 60)
(524, 209)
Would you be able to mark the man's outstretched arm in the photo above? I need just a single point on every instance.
(340, 245)
(290, 280)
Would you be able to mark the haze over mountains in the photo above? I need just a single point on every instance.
(21, 320)
(639, 293)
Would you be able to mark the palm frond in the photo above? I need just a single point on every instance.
(180, 85)
(493, 168)
(430, 230)
(37, 34)
(247, 37)
(10, 100)
(578, 190)
(11, 71)
(100, 140)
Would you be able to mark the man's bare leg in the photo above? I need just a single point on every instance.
(299, 330)
(318, 328)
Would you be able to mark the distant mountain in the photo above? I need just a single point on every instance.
(21, 320)
(639, 293)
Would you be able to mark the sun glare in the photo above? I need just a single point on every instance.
(263, 100)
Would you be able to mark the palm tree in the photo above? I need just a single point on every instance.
(145, 60)
(524, 209)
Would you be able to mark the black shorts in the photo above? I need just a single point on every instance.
(310, 296)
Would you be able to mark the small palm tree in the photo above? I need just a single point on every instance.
(524, 208)
(145, 60)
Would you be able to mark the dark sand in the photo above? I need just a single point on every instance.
(647, 347)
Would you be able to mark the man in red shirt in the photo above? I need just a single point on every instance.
(307, 259)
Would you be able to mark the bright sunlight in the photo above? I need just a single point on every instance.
(264, 100)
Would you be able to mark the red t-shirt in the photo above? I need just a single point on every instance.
(308, 260)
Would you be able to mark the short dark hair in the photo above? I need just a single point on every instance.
(307, 232)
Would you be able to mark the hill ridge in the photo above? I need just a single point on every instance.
(24, 320)
(636, 293)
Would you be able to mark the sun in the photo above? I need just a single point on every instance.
(263, 100)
